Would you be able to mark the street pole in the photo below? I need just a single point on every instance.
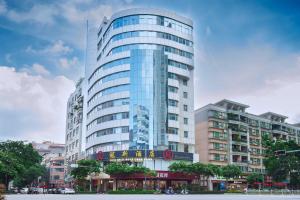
(145, 164)
(90, 182)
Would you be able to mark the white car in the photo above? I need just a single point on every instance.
(24, 191)
(68, 191)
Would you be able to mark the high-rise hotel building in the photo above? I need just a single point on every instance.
(140, 87)
(227, 134)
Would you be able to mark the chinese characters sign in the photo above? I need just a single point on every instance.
(140, 155)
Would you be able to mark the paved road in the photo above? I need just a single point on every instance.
(151, 197)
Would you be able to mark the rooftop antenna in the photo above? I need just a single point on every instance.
(86, 46)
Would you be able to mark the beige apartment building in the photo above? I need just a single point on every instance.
(53, 160)
(226, 134)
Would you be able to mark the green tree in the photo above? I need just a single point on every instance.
(282, 167)
(115, 168)
(29, 175)
(199, 169)
(15, 158)
(180, 167)
(231, 171)
(85, 168)
(255, 177)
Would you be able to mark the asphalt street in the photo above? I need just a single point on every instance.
(151, 197)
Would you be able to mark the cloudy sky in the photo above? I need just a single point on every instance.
(247, 51)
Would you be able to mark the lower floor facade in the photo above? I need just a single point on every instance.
(163, 182)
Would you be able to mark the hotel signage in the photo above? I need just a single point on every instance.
(140, 155)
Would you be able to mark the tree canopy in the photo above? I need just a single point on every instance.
(282, 167)
(115, 168)
(85, 168)
(199, 169)
(231, 171)
(255, 177)
(16, 159)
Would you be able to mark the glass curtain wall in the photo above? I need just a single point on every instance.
(148, 99)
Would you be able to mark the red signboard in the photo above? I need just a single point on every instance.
(100, 155)
(168, 154)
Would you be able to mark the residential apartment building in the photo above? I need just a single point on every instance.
(74, 127)
(226, 134)
(53, 159)
(140, 88)
(56, 169)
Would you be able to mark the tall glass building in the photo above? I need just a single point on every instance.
(140, 86)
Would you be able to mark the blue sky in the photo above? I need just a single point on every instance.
(248, 51)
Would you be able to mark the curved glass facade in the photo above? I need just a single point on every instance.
(110, 90)
(168, 49)
(148, 20)
(110, 77)
(115, 63)
(159, 82)
(108, 104)
(146, 34)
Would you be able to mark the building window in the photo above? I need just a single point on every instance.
(172, 130)
(186, 134)
(186, 148)
(185, 107)
(185, 95)
(173, 146)
(172, 89)
(217, 145)
(173, 103)
(217, 157)
(185, 120)
(184, 82)
(172, 116)
(59, 169)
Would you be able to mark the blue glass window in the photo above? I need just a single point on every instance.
(109, 77)
(111, 90)
(108, 104)
(111, 64)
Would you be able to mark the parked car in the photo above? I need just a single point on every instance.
(24, 190)
(35, 190)
(51, 191)
(60, 190)
(68, 191)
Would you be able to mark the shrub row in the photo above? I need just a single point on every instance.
(132, 192)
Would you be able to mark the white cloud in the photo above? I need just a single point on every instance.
(76, 15)
(57, 48)
(66, 63)
(281, 97)
(3, 7)
(258, 75)
(63, 20)
(7, 58)
(43, 14)
(40, 69)
(208, 31)
(33, 107)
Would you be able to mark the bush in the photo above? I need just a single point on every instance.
(206, 192)
(86, 192)
(132, 192)
(233, 191)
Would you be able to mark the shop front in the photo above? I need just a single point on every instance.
(161, 182)
(156, 160)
